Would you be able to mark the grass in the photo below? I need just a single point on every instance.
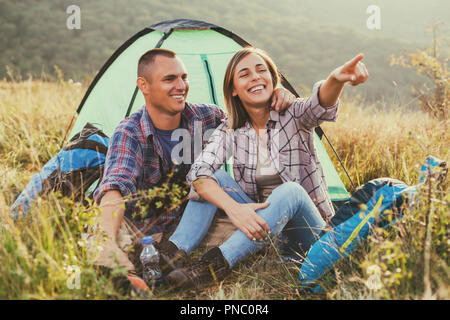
(45, 254)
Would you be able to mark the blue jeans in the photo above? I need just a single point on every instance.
(291, 211)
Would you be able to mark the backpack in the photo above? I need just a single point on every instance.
(353, 222)
(72, 171)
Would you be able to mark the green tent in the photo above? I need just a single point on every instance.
(205, 50)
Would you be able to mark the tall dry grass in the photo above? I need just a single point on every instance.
(390, 142)
(37, 254)
(34, 117)
(383, 141)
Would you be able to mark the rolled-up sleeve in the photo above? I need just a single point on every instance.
(212, 157)
(123, 160)
(310, 113)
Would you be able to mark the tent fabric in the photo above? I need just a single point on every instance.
(205, 50)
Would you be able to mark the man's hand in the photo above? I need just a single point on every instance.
(353, 71)
(244, 217)
(282, 99)
(112, 257)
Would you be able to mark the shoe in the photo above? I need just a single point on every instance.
(171, 257)
(212, 267)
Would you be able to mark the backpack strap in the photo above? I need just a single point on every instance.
(87, 144)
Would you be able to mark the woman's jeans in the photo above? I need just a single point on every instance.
(291, 210)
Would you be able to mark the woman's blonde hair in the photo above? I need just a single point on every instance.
(237, 114)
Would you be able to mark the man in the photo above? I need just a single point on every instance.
(139, 153)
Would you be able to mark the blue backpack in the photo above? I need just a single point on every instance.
(72, 171)
(353, 224)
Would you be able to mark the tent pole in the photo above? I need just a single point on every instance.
(332, 148)
(132, 101)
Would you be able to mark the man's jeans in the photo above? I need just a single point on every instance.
(291, 210)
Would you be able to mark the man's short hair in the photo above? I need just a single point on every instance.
(147, 59)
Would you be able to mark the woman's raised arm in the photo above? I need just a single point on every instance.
(322, 104)
(353, 71)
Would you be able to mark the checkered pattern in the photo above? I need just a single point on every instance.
(290, 144)
(136, 161)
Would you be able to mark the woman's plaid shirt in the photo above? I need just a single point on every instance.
(291, 146)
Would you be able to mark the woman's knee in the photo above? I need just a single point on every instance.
(292, 189)
(222, 177)
(292, 193)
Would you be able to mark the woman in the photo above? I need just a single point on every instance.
(278, 183)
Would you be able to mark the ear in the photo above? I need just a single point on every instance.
(142, 84)
(233, 93)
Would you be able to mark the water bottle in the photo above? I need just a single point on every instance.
(150, 262)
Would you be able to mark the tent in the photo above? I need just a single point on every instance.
(205, 50)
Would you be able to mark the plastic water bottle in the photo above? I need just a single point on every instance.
(150, 262)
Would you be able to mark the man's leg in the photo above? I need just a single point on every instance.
(197, 216)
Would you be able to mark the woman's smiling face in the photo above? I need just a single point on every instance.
(252, 81)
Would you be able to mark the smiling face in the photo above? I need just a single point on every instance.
(252, 81)
(165, 85)
(249, 80)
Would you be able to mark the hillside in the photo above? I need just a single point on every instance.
(307, 41)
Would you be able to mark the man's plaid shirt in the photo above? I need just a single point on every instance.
(291, 146)
(136, 161)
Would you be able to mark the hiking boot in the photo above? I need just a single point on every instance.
(171, 257)
(212, 267)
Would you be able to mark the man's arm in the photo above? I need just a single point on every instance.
(112, 212)
(123, 161)
(112, 205)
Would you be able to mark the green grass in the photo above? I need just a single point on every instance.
(410, 258)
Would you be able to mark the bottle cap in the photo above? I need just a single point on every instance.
(147, 240)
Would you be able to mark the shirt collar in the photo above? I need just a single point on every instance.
(149, 129)
(146, 123)
(274, 117)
